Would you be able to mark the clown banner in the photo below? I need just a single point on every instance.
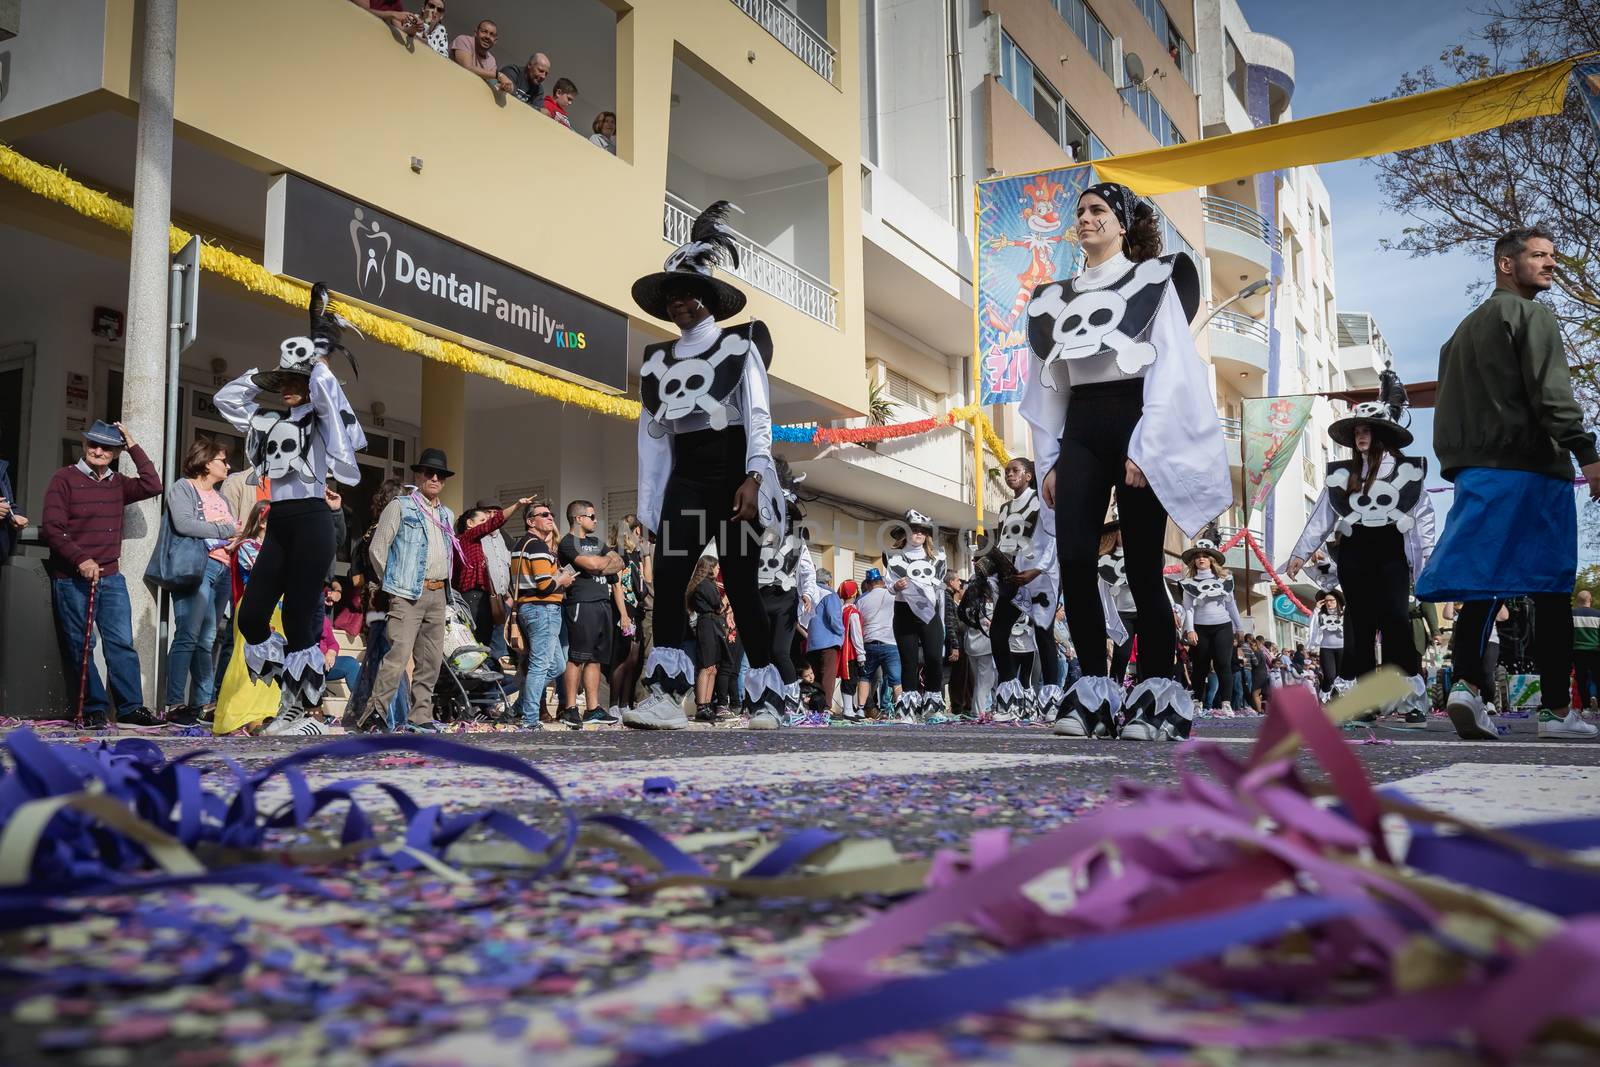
(1025, 238)
(1586, 78)
(1272, 429)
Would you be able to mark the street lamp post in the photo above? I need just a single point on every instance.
(1243, 294)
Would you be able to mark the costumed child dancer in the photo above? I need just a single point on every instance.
(787, 578)
(1327, 640)
(916, 577)
(318, 437)
(1030, 591)
(1119, 400)
(1375, 503)
(705, 468)
(1210, 614)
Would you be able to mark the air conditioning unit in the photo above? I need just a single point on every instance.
(1119, 69)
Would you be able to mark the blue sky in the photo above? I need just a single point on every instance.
(1345, 55)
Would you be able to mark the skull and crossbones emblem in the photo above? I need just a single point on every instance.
(1091, 321)
(776, 563)
(280, 447)
(1205, 588)
(1379, 505)
(1016, 529)
(924, 572)
(685, 384)
(297, 354)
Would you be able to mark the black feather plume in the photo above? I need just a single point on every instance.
(1391, 392)
(711, 230)
(327, 327)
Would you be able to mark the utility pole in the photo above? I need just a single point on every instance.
(144, 359)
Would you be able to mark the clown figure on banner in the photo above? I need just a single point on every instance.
(1210, 612)
(1119, 402)
(787, 578)
(915, 572)
(298, 450)
(1376, 511)
(706, 472)
(1026, 601)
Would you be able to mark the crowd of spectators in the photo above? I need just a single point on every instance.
(475, 52)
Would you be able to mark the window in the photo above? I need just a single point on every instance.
(1234, 69)
(1151, 113)
(1300, 351)
(910, 393)
(1178, 49)
(1041, 100)
(1090, 30)
(1172, 240)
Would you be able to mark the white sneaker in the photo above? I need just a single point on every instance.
(658, 711)
(764, 718)
(1469, 716)
(291, 724)
(1570, 728)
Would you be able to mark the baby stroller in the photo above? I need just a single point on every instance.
(467, 690)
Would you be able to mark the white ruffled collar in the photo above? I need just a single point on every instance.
(1105, 274)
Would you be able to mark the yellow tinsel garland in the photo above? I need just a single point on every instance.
(55, 185)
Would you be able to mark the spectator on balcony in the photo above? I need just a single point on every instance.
(559, 100)
(473, 53)
(527, 81)
(605, 131)
(429, 27)
(391, 11)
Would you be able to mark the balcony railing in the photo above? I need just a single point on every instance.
(1232, 429)
(1225, 212)
(1244, 325)
(782, 279)
(793, 33)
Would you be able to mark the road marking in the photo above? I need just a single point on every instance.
(1503, 793)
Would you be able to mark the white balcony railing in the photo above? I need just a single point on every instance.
(1236, 216)
(793, 33)
(1244, 325)
(767, 272)
(1232, 429)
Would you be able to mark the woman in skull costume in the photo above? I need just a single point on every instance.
(1210, 614)
(705, 467)
(1327, 638)
(1032, 592)
(1119, 402)
(1376, 505)
(787, 577)
(297, 450)
(916, 577)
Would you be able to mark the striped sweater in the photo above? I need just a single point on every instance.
(533, 572)
(83, 516)
(1586, 629)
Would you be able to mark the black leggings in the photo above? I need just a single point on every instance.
(293, 564)
(1009, 664)
(1214, 652)
(692, 513)
(1377, 587)
(920, 643)
(781, 608)
(1094, 452)
(1552, 645)
(1329, 659)
(627, 668)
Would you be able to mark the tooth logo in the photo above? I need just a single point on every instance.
(371, 246)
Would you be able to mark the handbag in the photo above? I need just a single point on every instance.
(178, 562)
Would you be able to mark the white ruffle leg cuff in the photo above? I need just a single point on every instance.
(669, 670)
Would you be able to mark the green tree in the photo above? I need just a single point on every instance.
(1462, 194)
(1589, 578)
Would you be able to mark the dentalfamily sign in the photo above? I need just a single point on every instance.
(315, 234)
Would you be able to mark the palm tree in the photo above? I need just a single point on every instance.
(880, 408)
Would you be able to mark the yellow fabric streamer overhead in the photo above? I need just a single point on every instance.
(1370, 130)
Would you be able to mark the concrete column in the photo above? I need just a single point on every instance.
(144, 389)
(444, 424)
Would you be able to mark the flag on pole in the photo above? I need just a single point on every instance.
(1025, 238)
(1272, 426)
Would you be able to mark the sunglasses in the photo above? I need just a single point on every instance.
(434, 476)
(542, 515)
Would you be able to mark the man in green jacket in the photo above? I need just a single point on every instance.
(1505, 429)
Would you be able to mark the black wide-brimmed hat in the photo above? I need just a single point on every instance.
(1378, 415)
(690, 268)
(297, 355)
(433, 459)
(1205, 545)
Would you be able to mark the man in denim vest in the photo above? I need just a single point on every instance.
(412, 551)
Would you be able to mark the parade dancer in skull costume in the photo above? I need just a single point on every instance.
(1327, 638)
(916, 577)
(298, 450)
(786, 577)
(1119, 401)
(1031, 591)
(1210, 614)
(705, 467)
(1376, 506)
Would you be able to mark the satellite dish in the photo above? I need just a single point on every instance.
(1135, 68)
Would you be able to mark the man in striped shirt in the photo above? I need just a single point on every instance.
(538, 586)
(1585, 646)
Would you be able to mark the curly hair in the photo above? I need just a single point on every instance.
(1143, 239)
